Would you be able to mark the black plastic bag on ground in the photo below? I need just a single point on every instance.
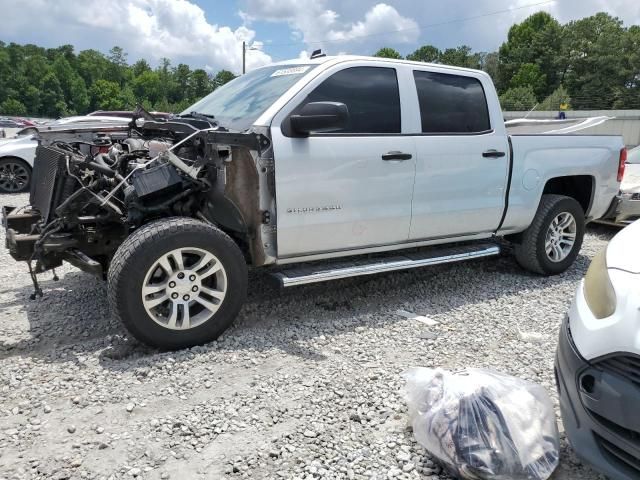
(483, 425)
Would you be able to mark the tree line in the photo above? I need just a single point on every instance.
(592, 63)
(56, 82)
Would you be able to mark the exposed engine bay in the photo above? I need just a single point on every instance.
(93, 186)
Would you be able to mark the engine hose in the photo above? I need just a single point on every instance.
(99, 164)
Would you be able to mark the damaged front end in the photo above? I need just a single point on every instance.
(93, 186)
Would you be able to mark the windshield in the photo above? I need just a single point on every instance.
(240, 102)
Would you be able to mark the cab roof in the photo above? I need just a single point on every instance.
(333, 59)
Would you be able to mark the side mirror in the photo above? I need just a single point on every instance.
(320, 117)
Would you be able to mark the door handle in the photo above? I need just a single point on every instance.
(493, 154)
(396, 156)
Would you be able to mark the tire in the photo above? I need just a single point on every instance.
(531, 251)
(137, 264)
(20, 171)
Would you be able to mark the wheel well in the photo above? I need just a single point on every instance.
(578, 187)
(22, 160)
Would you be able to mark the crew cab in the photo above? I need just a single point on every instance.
(315, 170)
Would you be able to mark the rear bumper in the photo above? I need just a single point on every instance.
(594, 405)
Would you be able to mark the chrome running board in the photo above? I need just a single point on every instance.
(434, 256)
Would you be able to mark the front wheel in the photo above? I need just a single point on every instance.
(552, 242)
(177, 282)
(15, 175)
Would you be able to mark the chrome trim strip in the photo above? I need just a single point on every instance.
(384, 265)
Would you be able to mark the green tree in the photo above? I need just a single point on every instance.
(387, 52)
(181, 83)
(148, 86)
(490, 64)
(518, 98)
(426, 53)
(92, 66)
(52, 97)
(140, 67)
(105, 95)
(11, 106)
(118, 68)
(530, 75)
(222, 77)
(460, 57)
(594, 55)
(201, 84)
(538, 40)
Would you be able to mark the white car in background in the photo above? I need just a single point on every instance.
(598, 361)
(628, 209)
(17, 153)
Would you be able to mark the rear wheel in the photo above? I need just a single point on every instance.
(15, 175)
(177, 282)
(553, 240)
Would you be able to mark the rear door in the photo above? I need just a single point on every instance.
(345, 189)
(462, 155)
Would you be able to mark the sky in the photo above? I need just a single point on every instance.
(209, 33)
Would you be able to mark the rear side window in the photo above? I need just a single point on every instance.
(370, 93)
(451, 103)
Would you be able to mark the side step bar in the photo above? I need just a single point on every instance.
(323, 273)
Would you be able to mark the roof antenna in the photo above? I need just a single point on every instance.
(317, 54)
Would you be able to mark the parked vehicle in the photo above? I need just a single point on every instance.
(128, 114)
(628, 209)
(17, 153)
(9, 123)
(598, 361)
(302, 161)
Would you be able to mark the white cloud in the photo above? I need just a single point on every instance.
(318, 25)
(153, 29)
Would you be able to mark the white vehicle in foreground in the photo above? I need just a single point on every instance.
(598, 361)
(395, 164)
(628, 210)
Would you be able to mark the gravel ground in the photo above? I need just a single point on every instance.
(305, 385)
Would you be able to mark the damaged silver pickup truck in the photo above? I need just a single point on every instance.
(346, 158)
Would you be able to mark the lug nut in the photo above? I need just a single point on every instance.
(192, 278)
(194, 288)
(181, 275)
(174, 295)
(185, 298)
(172, 284)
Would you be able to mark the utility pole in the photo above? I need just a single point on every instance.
(244, 56)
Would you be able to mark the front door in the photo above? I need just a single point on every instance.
(351, 188)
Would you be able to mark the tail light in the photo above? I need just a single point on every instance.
(622, 163)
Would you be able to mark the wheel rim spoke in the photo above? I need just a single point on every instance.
(212, 307)
(214, 268)
(173, 316)
(177, 257)
(151, 289)
(166, 266)
(217, 294)
(156, 301)
(186, 317)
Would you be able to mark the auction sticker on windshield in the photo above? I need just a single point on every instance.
(290, 71)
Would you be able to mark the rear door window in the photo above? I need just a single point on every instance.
(370, 93)
(451, 103)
